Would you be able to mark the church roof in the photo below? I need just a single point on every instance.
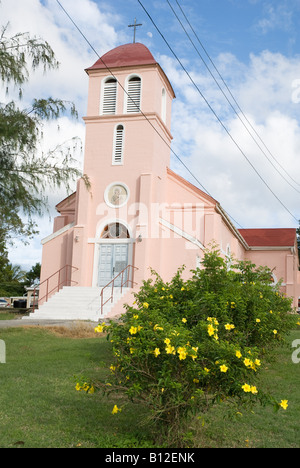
(124, 56)
(269, 237)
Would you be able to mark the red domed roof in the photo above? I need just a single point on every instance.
(125, 56)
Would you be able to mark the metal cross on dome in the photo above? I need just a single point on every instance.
(135, 25)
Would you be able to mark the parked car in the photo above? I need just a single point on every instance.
(3, 302)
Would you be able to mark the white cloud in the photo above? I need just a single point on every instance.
(70, 82)
(264, 91)
(264, 87)
(278, 17)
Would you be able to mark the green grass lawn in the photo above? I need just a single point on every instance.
(39, 406)
(6, 314)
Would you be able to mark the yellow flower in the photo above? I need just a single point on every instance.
(112, 368)
(246, 388)
(156, 352)
(171, 296)
(206, 370)
(284, 404)
(100, 328)
(136, 317)
(78, 387)
(157, 327)
(170, 349)
(248, 362)
(133, 330)
(196, 380)
(275, 332)
(238, 354)
(184, 320)
(182, 353)
(116, 410)
(257, 362)
(258, 320)
(254, 390)
(229, 327)
(145, 305)
(92, 390)
(167, 341)
(210, 330)
(182, 289)
(132, 350)
(216, 337)
(223, 369)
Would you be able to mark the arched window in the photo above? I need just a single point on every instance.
(115, 231)
(109, 97)
(134, 87)
(118, 145)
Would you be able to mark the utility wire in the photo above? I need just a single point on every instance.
(122, 87)
(234, 99)
(226, 97)
(215, 114)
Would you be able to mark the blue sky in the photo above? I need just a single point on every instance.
(255, 45)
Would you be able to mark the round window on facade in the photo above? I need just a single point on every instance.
(116, 195)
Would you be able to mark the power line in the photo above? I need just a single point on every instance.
(215, 114)
(226, 97)
(234, 99)
(122, 87)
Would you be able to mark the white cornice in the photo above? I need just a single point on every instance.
(57, 233)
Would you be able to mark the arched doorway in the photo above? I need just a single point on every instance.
(113, 254)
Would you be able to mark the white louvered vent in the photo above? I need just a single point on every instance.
(118, 150)
(109, 97)
(134, 95)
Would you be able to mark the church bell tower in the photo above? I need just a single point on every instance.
(127, 152)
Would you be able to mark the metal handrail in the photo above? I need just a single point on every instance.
(60, 283)
(112, 283)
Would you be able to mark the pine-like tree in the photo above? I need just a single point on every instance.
(24, 171)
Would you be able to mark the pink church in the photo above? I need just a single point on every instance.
(138, 214)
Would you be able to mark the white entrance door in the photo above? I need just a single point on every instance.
(113, 259)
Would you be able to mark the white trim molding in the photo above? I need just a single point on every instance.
(57, 233)
(182, 234)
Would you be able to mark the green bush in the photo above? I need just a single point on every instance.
(186, 345)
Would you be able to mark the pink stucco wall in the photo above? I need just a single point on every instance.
(175, 220)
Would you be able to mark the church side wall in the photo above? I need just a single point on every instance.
(57, 253)
(284, 266)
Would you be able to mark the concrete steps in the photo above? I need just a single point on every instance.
(78, 303)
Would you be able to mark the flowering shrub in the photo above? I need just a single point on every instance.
(186, 345)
